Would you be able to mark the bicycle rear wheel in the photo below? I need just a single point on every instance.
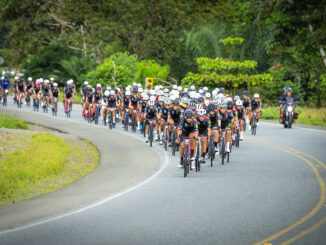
(185, 162)
(174, 137)
(197, 162)
(237, 139)
(151, 135)
(222, 151)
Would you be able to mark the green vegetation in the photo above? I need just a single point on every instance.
(311, 116)
(44, 164)
(268, 43)
(9, 122)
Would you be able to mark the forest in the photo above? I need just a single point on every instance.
(257, 45)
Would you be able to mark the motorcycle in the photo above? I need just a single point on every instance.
(289, 114)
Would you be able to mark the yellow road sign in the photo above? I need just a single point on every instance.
(150, 81)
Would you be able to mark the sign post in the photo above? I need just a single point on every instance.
(149, 81)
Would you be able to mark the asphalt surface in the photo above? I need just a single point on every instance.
(270, 192)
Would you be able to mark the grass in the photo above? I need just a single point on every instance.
(307, 115)
(9, 122)
(45, 164)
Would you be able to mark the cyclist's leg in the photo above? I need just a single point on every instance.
(228, 138)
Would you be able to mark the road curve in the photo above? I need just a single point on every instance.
(272, 191)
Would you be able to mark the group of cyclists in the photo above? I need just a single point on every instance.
(182, 116)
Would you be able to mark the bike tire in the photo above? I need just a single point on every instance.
(228, 156)
(290, 121)
(185, 162)
(151, 132)
(223, 151)
(197, 163)
(173, 142)
(237, 142)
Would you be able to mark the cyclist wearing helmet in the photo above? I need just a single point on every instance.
(88, 101)
(20, 88)
(83, 91)
(234, 111)
(188, 128)
(174, 115)
(5, 85)
(142, 105)
(55, 95)
(111, 103)
(125, 104)
(29, 88)
(150, 114)
(283, 99)
(14, 87)
(241, 112)
(163, 112)
(37, 91)
(134, 104)
(214, 116)
(246, 101)
(226, 118)
(255, 106)
(68, 94)
(204, 130)
(97, 99)
(201, 102)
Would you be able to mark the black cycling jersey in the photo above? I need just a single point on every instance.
(134, 100)
(112, 101)
(37, 89)
(151, 113)
(188, 128)
(226, 119)
(175, 114)
(246, 102)
(142, 106)
(164, 112)
(89, 97)
(55, 92)
(45, 89)
(214, 118)
(203, 125)
(21, 86)
(29, 86)
(125, 101)
(83, 89)
(97, 97)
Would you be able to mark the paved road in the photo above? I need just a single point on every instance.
(270, 192)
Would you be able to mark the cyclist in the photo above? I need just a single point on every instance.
(163, 112)
(150, 114)
(46, 92)
(14, 87)
(214, 116)
(55, 95)
(134, 104)
(174, 115)
(29, 89)
(88, 102)
(246, 101)
(97, 98)
(241, 112)
(83, 92)
(68, 94)
(204, 130)
(125, 105)
(256, 104)
(226, 118)
(5, 85)
(36, 92)
(111, 104)
(188, 128)
(20, 88)
(51, 83)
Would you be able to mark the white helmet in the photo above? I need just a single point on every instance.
(192, 87)
(207, 95)
(134, 84)
(112, 92)
(128, 88)
(68, 82)
(152, 98)
(41, 80)
(151, 103)
(140, 90)
(238, 103)
(145, 97)
(107, 93)
(16, 77)
(256, 96)
(168, 101)
(46, 81)
(161, 98)
(30, 79)
(174, 87)
(152, 92)
(128, 93)
(205, 89)
(139, 85)
(166, 90)
(172, 97)
(201, 91)
(186, 90)
(85, 83)
(51, 79)
(192, 94)
(98, 85)
(55, 85)
(236, 98)
(201, 111)
(180, 88)
(197, 96)
(157, 88)
(228, 99)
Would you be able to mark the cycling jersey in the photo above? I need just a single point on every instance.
(226, 119)
(246, 102)
(68, 91)
(188, 128)
(203, 125)
(5, 84)
(111, 102)
(134, 101)
(125, 101)
(175, 114)
(55, 93)
(241, 112)
(97, 97)
(89, 97)
(234, 111)
(255, 104)
(142, 106)
(83, 89)
(164, 112)
(20, 86)
(213, 118)
(151, 113)
(37, 89)
(29, 85)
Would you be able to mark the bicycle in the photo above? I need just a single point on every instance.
(174, 138)
(4, 98)
(254, 123)
(36, 103)
(69, 107)
(166, 137)
(186, 157)
(223, 153)
(237, 138)
(54, 106)
(126, 121)
(151, 133)
(134, 121)
(45, 105)
(20, 100)
(211, 149)
(97, 113)
(199, 152)
(105, 114)
(110, 119)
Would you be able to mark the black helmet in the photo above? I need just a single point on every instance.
(222, 90)
(245, 92)
(135, 90)
(116, 90)
(189, 114)
(176, 102)
(211, 107)
(230, 105)
(201, 99)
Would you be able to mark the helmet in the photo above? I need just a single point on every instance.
(108, 87)
(201, 99)
(201, 91)
(55, 85)
(229, 104)
(192, 104)
(180, 88)
(30, 79)
(134, 84)
(151, 103)
(157, 88)
(228, 99)
(211, 107)
(112, 93)
(128, 93)
(236, 98)
(139, 85)
(201, 112)
(166, 90)
(192, 87)
(38, 83)
(107, 93)
(245, 92)
(256, 96)
(192, 94)
(46, 81)
(68, 82)
(184, 100)
(16, 77)
(289, 90)
(85, 83)
(197, 96)
(186, 90)
(140, 90)
(152, 97)
(167, 101)
(98, 85)
(51, 79)
(175, 87)
(135, 90)
(205, 89)
(222, 90)
(223, 105)
(189, 114)
(207, 95)
(116, 90)
(161, 99)
(175, 102)
(145, 97)
(238, 103)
